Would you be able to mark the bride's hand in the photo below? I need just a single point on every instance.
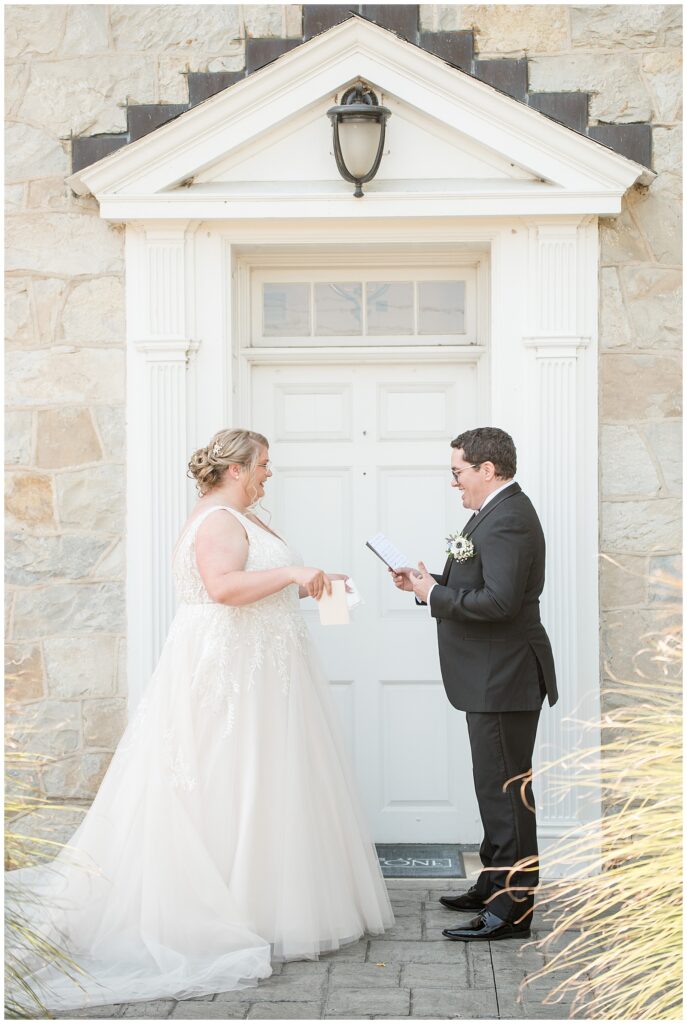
(311, 581)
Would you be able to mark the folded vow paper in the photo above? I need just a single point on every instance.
(333, 608)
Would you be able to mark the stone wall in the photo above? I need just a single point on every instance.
(72, 69)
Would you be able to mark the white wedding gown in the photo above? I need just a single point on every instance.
(227, 829)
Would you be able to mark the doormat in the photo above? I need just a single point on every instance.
(420, 860)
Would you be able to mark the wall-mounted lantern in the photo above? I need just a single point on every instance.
(359, 125)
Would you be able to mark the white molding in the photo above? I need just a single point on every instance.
(366, 354)
(561, 397)
(319, 69)
(373, 205)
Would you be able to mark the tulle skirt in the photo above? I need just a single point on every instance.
(226, 832)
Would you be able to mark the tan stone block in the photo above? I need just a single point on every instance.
(148, 27)
(618, 93)
(47, 728)
(667, 149)
(32, 152)
(654, 306)
(665, 441)
(508, 28)
(231, 60)
(48, 300)
(35, 559)
(66, 437)
(23, 672)
(658, 211)
(641, 527)
(54, 823)
(29, 499)
(86, 30)
(89, 95)
(172, 83)
(623, 580)
(15, 196)
(76, 777)
(16, 80)
(94, 311)
(69, 609)
(83, 666)
(18, 426)
(33, 30)
(112, 566)
(104, 721)
(110, 420)
(614, 328)
(18, 320)
(64, 375)
(607, 26)
(665, 580)
(263, 20)
(640, 387)
(662, 72)
(293, 21)
(627, 637)
(122, 682)
(63, 244)
(92, 498)
(626, 464)
(620, 240)
(49, 194)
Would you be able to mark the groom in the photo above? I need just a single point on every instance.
(497, 665)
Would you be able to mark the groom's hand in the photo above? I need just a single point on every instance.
(402, 579)
(421, 582)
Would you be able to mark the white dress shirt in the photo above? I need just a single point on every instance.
(486, 500)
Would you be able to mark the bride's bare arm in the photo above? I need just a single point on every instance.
(221, 553)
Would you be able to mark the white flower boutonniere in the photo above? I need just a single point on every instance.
(459, 547)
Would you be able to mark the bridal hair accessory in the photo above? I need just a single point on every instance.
(460, 548)
(216, 449)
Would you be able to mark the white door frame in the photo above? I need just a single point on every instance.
(186, 369)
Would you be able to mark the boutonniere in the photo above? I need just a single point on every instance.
(460, 548)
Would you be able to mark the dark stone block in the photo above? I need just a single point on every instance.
(456, 48)
(260, 52)
(91, 148)
(402, 19)
(506, 75)
(203, 84)
(143, 118)
(632, 140)
(568, 108)
(320, 17)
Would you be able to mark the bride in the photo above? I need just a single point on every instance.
(227, 830)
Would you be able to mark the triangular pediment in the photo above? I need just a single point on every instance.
(450, 138)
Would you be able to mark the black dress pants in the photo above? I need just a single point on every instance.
(502, 744)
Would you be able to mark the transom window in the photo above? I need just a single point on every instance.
(372, 306)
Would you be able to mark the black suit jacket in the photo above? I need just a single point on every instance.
(493, 647)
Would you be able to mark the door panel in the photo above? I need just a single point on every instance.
(357, 449)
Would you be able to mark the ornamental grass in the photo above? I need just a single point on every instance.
(31, 837)
(616, 935)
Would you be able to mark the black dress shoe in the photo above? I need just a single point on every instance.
(470, 900)
(487, 927)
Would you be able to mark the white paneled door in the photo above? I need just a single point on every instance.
(357, 449)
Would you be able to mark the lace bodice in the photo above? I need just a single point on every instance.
(265, 551)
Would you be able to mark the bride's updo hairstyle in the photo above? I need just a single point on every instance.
(227, 448)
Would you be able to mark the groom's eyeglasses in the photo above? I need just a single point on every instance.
(455, 473)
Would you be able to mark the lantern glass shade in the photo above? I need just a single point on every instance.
(359, 124)
(359, 141)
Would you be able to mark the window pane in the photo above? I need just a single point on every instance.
(338, 309)
(389, 307)
(441, 307)
(285, 310)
